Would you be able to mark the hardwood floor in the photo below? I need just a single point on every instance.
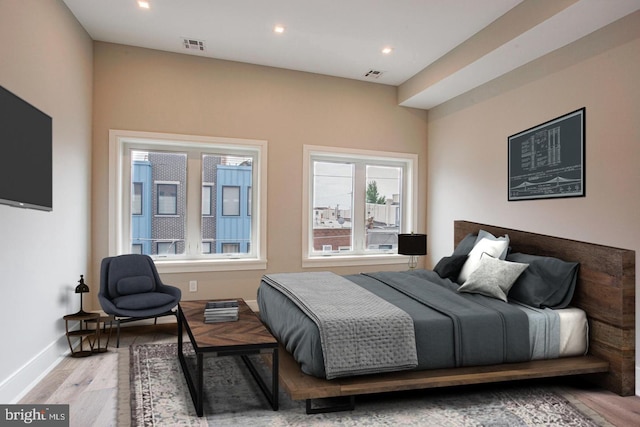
(89, 385)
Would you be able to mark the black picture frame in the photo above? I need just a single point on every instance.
(547, 160)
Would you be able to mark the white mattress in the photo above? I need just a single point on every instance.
(574, 332)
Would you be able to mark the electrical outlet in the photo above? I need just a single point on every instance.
(193, 286)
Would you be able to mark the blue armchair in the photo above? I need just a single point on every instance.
(131, 289)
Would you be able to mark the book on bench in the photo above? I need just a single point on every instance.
(221, 311)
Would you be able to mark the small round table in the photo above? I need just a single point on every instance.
(82, 332)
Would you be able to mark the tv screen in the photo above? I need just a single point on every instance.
(25, 154)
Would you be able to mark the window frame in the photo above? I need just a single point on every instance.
(120, 188)
(409, 200)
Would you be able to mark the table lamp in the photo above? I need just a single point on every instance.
(413, 245)
(82, 288)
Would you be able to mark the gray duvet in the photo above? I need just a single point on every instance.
(451, 329)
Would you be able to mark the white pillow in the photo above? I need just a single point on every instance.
(493, 277)
(482, 234)
(494, 248)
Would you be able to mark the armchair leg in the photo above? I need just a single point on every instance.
(118, 334)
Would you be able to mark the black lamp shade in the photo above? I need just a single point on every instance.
(82, 287)
(412, 244)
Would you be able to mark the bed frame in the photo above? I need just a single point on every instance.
(605, 291)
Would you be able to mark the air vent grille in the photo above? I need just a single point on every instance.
(194, 44)
(373, 74)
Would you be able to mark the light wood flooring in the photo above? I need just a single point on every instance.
(89, 385)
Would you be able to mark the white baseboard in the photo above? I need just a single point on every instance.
(18, 384)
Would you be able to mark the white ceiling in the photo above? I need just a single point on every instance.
(344, 38)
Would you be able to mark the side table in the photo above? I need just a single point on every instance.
(107, 327)
(82, 332)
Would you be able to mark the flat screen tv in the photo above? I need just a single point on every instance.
(25, 154)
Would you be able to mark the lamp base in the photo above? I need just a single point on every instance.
(413, 262)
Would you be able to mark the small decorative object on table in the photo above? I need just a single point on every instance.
(82, 288)
(221, 311)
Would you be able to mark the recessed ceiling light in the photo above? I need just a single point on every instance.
(143, 4)
(387, 50)
(278, 29)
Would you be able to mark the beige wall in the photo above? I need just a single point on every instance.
(46, 59)
(467, 168)
(146, 90)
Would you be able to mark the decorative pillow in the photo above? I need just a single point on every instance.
(548, 282)
(493, 277)
(482, 234)
(134, 285)
(449, 267)
(493, 248)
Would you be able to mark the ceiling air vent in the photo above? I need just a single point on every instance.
(373, 74)
(193, 44)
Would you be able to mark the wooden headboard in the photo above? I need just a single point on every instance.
(605, 291)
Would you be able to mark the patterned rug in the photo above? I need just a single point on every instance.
(153, 392)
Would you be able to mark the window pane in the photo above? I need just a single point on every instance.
(166, 248)
(230, 201)
(158, 182)
(332, 204)
(382, 208)
(207, 191)
(167, 199)
(230, 248)
(136, 199)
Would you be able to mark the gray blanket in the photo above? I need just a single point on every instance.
(360, 333)
(442, 340)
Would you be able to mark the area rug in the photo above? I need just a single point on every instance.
(153, 392)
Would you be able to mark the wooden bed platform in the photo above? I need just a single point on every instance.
(605, 291)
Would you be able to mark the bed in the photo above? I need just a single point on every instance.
(602, 302)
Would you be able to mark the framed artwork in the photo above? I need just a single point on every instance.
(547, 161)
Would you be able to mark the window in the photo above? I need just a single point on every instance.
(207, 192)
(136, 199)
(177, 198)
(166, 248)
(358, 202)
(230, 201)
(230, 248)
(167, 197)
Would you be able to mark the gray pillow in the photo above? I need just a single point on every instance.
(548, 282)
(465, 245)
(134, 285)
(449, 267)
(493, 277)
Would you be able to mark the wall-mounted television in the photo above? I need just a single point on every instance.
(25, 154)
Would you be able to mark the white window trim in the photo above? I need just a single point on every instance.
(410, 213)
(118, 193)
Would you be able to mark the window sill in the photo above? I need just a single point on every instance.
(353, 260)
(194, 266)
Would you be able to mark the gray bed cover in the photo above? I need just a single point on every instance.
(452, 329)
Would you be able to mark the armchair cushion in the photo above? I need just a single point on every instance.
(142, 301)
(134, 285)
